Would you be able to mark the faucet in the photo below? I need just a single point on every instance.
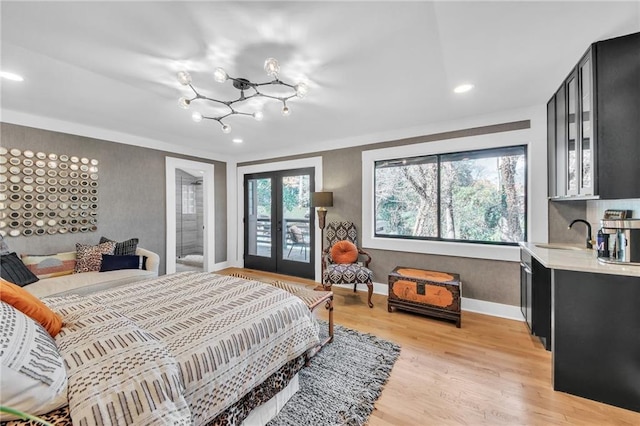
(589, 242)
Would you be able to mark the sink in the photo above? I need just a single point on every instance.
(558, 247)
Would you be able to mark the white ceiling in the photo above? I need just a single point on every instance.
(377, 70)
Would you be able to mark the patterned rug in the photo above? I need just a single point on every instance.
(343, 381)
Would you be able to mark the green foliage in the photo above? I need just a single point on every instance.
(23, 415)
(290, 196)
(478, 211)
(295, 196)
(263, 191)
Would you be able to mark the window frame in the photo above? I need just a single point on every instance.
(535, 158)
(438, 162)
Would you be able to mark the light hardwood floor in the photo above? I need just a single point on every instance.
(490, 371)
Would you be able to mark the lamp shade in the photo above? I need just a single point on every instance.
(322, 199)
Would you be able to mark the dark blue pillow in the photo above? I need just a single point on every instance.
(114, 263)
(13, 270)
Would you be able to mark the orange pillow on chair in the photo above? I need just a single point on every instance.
(31, 306)
(344, 252)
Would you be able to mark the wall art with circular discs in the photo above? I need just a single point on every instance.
(47, 193)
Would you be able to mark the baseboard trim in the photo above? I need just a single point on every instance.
(499, 310)
(221, 265)
(491, 308)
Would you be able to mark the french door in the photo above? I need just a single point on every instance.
(278, 222)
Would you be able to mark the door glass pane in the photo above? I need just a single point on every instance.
(295, 218)
(585, 74)
(572, 154)
(259, 217)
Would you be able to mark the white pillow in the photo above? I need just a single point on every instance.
(33, 378)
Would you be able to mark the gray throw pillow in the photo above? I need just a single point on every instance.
(125, 248)
(13, 270)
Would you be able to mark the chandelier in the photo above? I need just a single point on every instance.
(272, 68)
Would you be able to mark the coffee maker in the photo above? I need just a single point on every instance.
(623, 245)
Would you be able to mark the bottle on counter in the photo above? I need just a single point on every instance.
(621, 240)
(602, 244)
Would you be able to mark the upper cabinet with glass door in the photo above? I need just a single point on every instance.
(593, 124)
(585, 155)
(572, 139)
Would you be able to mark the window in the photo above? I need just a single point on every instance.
(472, 196)
(188, 199)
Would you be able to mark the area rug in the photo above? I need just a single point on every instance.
(343, 381)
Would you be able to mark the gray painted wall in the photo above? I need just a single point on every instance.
(131, 192)
(489, 280)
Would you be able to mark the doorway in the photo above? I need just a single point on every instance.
(189, 221)
(278, 222)
(199, 237)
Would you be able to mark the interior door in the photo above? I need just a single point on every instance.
(278, 222)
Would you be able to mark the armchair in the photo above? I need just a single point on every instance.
(344, 268)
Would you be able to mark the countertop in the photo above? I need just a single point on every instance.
(582, 260)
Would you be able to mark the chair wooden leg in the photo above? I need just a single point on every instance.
(354, 287)
(329, 306)
(370, 292)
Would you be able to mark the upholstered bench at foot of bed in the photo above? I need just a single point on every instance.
(312, 299)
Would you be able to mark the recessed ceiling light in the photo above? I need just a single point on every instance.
(463, 88)
(237, 140)
(11, 76)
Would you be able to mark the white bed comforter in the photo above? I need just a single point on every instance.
(178, 349)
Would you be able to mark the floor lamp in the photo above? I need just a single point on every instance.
(321, 200)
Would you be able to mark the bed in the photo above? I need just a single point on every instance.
(186, 348)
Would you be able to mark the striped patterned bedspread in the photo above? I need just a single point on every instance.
(186, 346)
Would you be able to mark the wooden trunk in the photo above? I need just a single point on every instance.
(433, 293)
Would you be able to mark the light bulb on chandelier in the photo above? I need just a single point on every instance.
(184, 78)
(184, 103)
(271, 67)
(220, 75)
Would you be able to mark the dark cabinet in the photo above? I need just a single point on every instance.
(596, 351)
(535, 297)
(541, 293)
(593, 125)
(526, 286)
